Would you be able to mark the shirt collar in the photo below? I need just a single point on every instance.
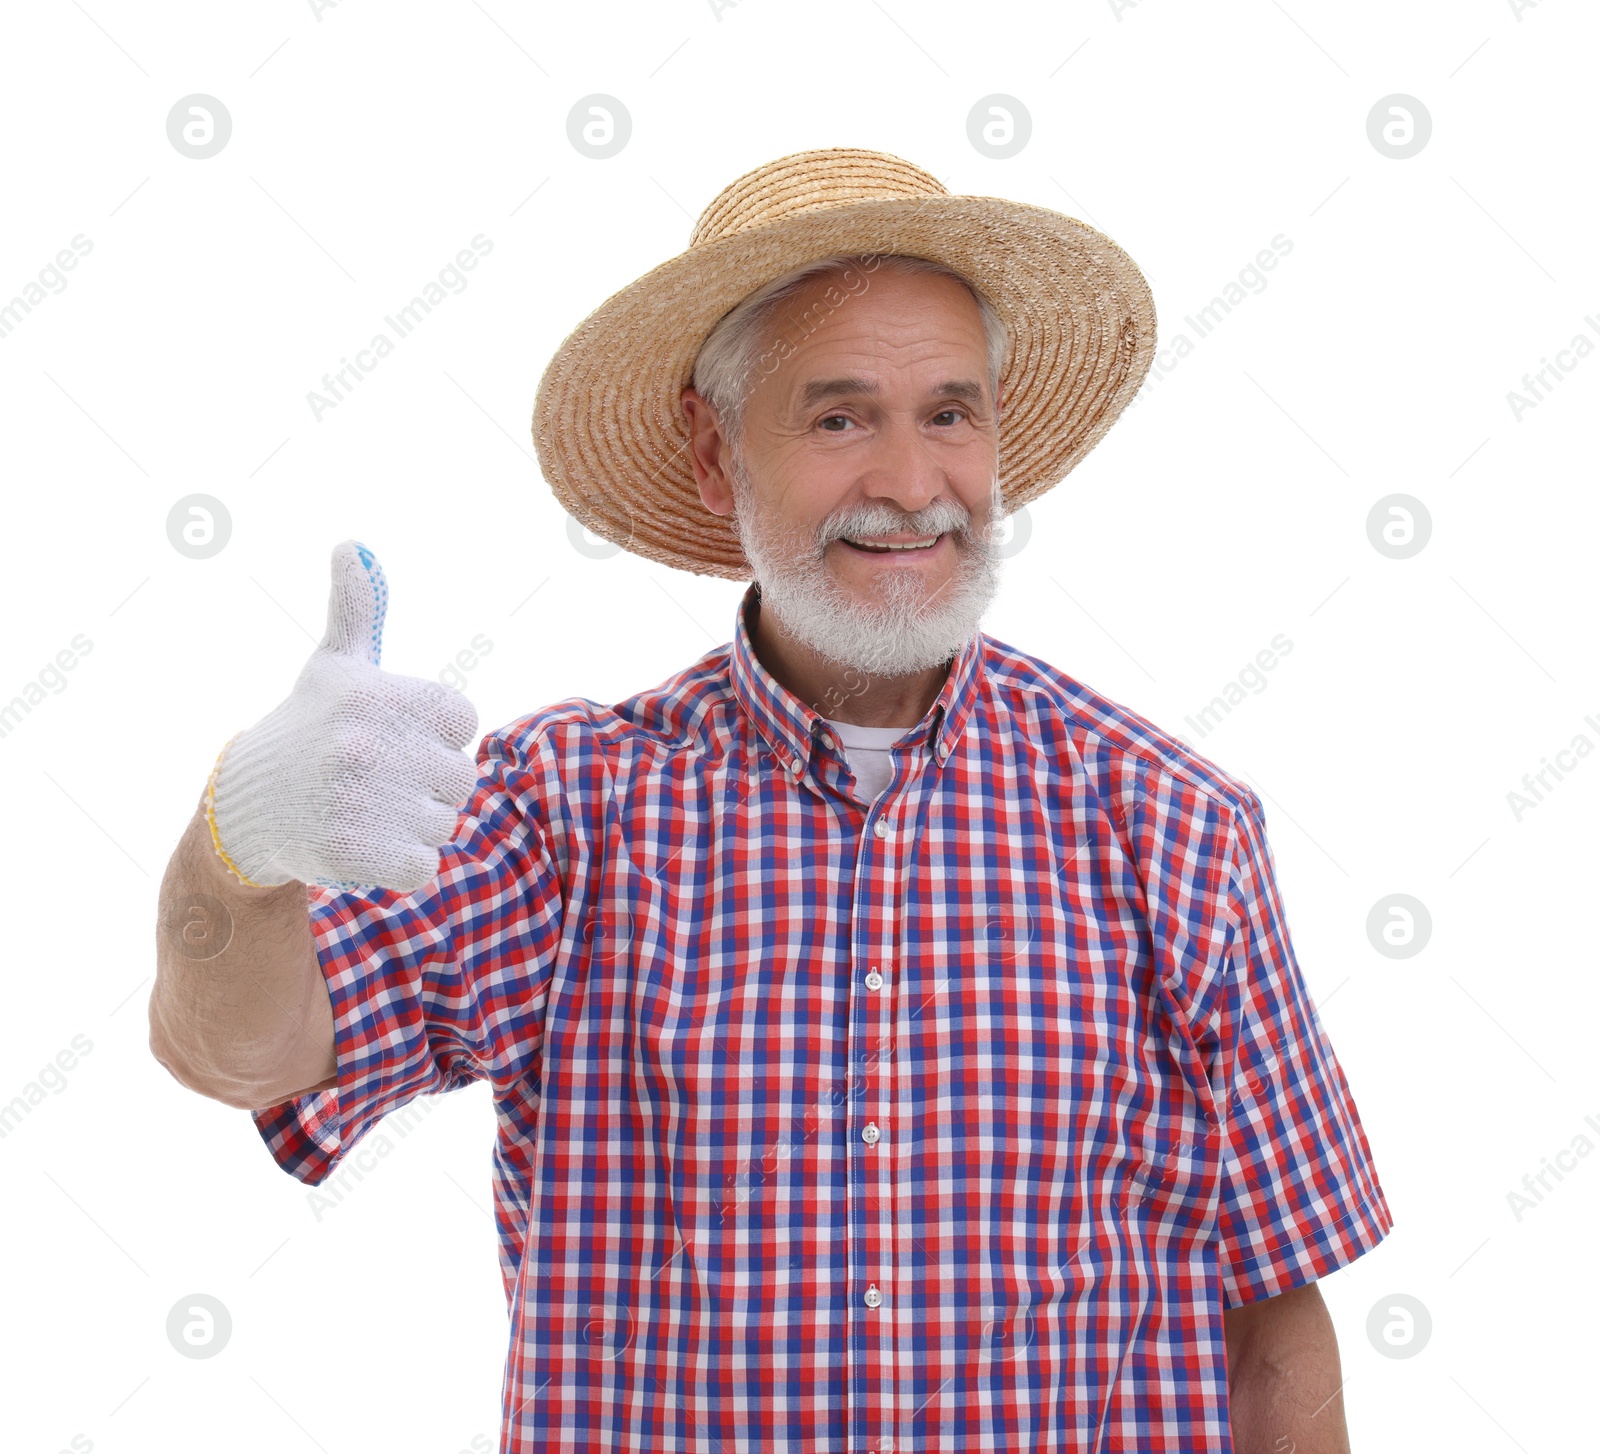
(792, 728)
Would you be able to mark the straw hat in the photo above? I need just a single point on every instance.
(612, 439)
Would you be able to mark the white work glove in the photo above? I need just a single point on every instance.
(355, 779)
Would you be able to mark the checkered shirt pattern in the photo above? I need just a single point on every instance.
(949, 1123)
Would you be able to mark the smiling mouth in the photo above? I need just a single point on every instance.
(894, 547)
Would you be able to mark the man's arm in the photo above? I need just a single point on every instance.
(1283, 1376)
(1300, 1195)
(353, 778)
(252, 1025)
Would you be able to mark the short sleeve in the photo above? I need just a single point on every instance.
(439, 987)
(1300, 1195)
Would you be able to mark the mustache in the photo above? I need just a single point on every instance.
(943, 516)
(937, 519)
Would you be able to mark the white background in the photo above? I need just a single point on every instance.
(370, 145)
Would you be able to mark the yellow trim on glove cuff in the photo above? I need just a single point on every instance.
(211, 822)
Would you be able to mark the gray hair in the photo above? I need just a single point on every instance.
(733, 357)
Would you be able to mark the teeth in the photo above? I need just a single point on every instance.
(904, 545)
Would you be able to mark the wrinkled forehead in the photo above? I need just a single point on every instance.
(892, 311)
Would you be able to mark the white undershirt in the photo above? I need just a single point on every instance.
(867, 751)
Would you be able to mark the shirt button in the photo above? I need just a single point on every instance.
(874, 980)
(881, 827)
(872, 1297)
(869, 1133)
(797, 767)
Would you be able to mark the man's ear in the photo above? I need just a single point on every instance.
(705, 447)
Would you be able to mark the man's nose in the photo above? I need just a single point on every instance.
(903, 469)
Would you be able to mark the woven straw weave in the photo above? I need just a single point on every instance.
(612, 440)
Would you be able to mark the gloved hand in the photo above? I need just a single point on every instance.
(354, 780)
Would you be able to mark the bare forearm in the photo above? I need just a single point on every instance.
(1284, 1379)
(1276, 1412)
(240, 1009)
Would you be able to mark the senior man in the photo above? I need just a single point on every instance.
(895, 1045)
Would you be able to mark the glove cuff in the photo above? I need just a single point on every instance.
(211, 822)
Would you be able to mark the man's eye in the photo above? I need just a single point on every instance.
(956, 413)
(824, 421)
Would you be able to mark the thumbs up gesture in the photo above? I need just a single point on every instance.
(355, 779)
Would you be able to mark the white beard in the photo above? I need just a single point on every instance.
(903, 629)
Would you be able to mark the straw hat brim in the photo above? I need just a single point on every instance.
(611, 437)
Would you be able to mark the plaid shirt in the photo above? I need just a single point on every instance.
(951, 1122)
